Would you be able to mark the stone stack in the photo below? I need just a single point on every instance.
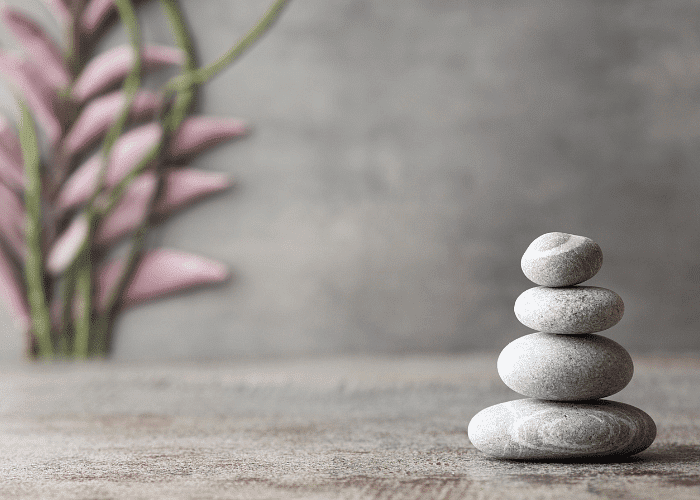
(564, 368)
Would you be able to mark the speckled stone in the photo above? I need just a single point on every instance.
(570, 310)
(565, 367)
(534, 429)
(561, 259)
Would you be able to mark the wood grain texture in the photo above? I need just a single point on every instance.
(337, 428)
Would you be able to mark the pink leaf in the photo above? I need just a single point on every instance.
(161, 272)
(11, 172)
(101, 113)
(61, 10)
(129, 212)
(113, 65)
(9, 141)
(128, 151)
(200, 132)
(39, 45)
(81, 184)
(66, 248)
(26, 80)
(185, 185)
(182, 186)
(12, 217)
(94, 14)
(13, 293)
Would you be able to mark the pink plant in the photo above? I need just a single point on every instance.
(59, 220)
(114, 65)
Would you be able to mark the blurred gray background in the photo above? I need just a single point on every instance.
(405, 154)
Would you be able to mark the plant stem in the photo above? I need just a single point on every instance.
(68, 292)
(183, 39)
(34, 273)
(183, 88)
(74, 54)
(84, 286)
(203, 75)
(130, 88)
(170, 121)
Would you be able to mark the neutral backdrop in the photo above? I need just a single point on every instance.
(405, 154)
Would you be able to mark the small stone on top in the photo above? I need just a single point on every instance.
(561, 259)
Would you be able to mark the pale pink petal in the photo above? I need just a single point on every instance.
(182, 186)
(39, 45)
(9, 140)
(94, 14)
(111, 66)
(186, 185)
(81, 184)
(11, 169)
(127, 153)
(101, 113)
(130, 149)
(66, 248)
(61, 10)
(12, 292)
(10, 172)
(200, 132)
(161, 272)
(12, 219)
(22, 76)
(129, 212)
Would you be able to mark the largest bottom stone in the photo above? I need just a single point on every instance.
(534, 429)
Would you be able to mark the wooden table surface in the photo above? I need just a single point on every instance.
(330, 428)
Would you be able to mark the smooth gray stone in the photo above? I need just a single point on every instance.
(534, 429)
(570, 310)
(561, 259)
(565, 367)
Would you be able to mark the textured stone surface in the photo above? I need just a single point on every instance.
(534, 429)
(561, 259)
(565, 367)
(336, 428)
(571, 310)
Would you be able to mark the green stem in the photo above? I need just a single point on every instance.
(184, 88)
(83, 286)
(203, 75)
(73, 41)
(171, 121)
(181, 32)
(185, 98)
(184, 85)
(68, 292)
(130, 88)
(34, 272)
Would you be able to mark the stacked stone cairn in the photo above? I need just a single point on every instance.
(564, 368)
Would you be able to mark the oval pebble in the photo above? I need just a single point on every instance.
(561, 259)
(534, 429)
(565, 367)
(570, 310)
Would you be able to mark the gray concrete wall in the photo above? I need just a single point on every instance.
(405, 154)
